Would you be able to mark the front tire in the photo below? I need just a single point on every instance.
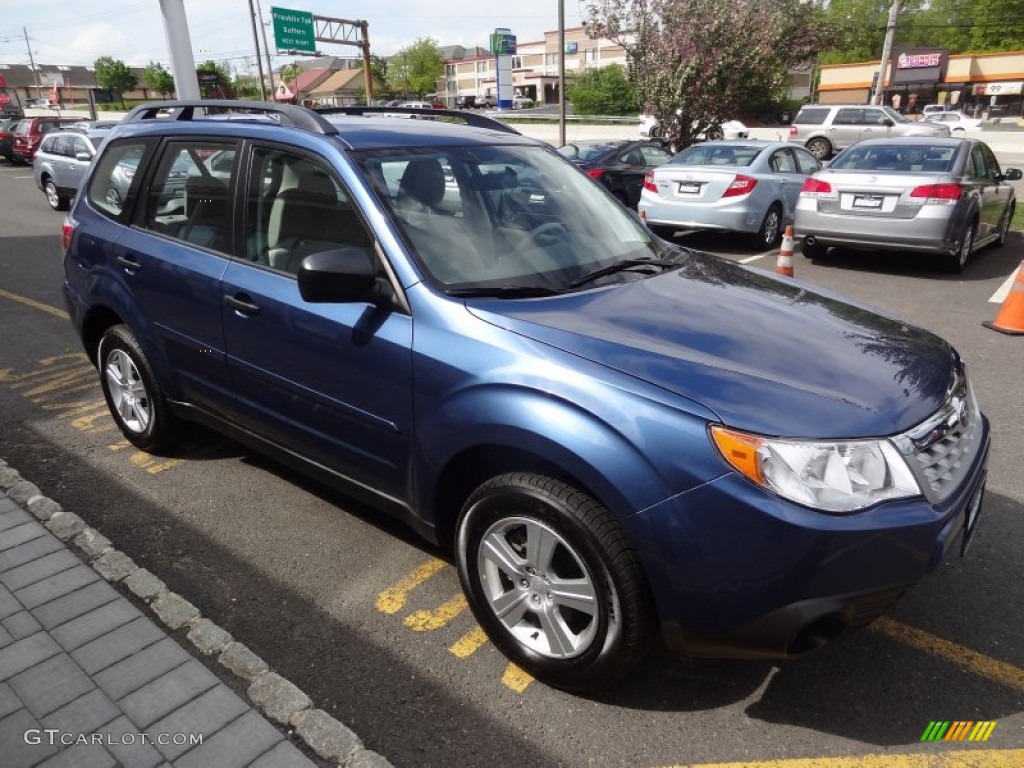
(56, 200)
(1004, 225)
(552, 580)
(135, 401)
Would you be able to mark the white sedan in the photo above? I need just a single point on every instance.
(955, 121)
(730, 129)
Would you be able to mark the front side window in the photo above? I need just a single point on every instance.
(503, 218)
(294, 208)
(189, 196)
(115, 178)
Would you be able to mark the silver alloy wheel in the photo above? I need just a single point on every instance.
(770, 228)
(128, 392)
(51, 194)
(820, 148)
(965, 246)
(538, 587)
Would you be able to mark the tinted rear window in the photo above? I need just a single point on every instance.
(912, 158)
(717, 154)
(814, 116)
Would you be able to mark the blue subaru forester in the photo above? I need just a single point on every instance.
(613, 434)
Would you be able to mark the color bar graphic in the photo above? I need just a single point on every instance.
(958, 730)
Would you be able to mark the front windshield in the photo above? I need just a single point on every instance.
(504, 217)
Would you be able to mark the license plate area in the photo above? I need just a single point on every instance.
(868, 202)
(689, 187)
(971, 516)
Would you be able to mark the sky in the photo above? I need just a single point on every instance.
(62, 32)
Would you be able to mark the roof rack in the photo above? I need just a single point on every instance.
(300, 117)
(470, 118)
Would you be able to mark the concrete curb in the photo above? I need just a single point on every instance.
(279, 699)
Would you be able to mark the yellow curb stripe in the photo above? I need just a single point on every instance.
(392, 599)
(53, 378)
(34, 304)
(515, 678)
(973, 758)
(119, 446)
(428, 621)
(163, 466)
(469, 643)
(972, 661)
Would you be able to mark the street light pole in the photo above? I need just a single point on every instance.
(890, 32)
(561, 73)
(32, 63)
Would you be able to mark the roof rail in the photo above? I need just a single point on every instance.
(470, 118)
(300, 117)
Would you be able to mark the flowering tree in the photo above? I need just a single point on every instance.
(694, 62)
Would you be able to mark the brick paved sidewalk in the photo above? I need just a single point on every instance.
(87, 680)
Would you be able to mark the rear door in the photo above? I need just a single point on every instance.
(790, 176)
(846, 128)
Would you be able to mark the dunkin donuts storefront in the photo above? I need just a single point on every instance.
(992, 83)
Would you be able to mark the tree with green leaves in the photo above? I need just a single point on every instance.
(113, 75)
(158, 79)
(602, 91)
(289, 72)
(213, 78)
(695, 62)
(379, 72)
(416, 68)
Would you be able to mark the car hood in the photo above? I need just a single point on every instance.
(772, 356)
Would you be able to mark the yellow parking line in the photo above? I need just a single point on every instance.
(34, 304)
(392, 599)
(427, 621)
(972, 661)
(469, 643)
(119, 446)
(515, 678)
(968, 758)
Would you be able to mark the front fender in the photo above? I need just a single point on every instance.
(628, 466)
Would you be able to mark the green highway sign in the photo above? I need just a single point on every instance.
(293, 30)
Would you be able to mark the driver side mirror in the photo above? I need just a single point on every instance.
(887, 122)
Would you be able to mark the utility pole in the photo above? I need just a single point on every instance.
(32, 63)
(256, 42)
(561, 73)
(179, 43)
(266, 51)
(890, 32)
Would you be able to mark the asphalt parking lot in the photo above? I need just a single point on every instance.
(371, 623)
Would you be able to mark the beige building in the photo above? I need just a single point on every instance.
(992, 81)
(534, 67)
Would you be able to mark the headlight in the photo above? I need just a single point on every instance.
(839, 476)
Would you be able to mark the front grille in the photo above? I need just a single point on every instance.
(940, 450)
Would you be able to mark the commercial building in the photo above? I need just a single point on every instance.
(991, 81)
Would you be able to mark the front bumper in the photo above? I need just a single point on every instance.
(738, 572)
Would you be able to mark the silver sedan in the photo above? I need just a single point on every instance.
(740, 186)
(946, 197)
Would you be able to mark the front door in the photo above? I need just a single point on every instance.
(332, 382)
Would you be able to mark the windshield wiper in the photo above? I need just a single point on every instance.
(505, 291)
(619, 267)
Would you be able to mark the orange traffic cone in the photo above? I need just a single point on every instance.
(785, 263)
(1011, 316)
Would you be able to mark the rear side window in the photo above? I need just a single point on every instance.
(115, 178)
(49, 145)
(811, 116)
(189, 195)
(849, 117)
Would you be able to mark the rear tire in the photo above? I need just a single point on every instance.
(820, 148)
(139, 408)
(770, 233)
(665, 233)
(56, 200)
(957, 261)
(553, 582)
(815, 251)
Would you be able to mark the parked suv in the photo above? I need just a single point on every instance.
(60, 164)
(611, 433)
(827, 128)
(30, 132)
(8, 125)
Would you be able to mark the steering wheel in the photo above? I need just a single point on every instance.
(548, 230)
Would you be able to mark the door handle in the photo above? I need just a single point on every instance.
(129, 263)
(242, 302)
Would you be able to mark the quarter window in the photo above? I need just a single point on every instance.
(115, 179)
